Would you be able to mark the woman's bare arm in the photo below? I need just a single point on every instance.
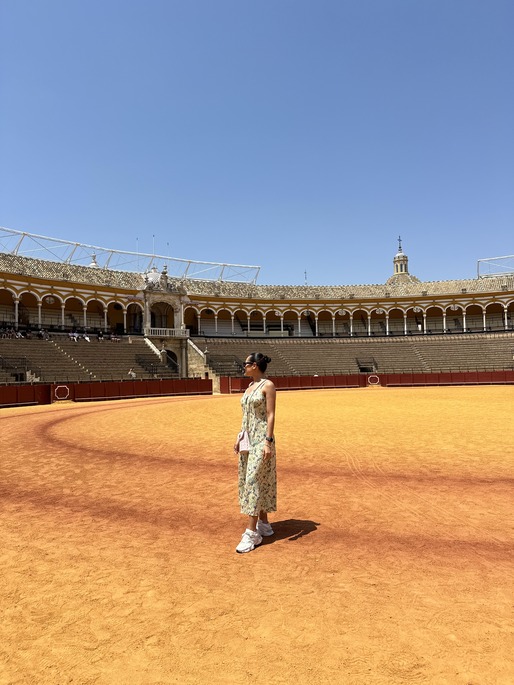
(271, 395)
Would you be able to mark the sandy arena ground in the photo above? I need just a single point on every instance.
(392, 561)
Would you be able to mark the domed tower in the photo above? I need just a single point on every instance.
(401, 267)
(400, 261)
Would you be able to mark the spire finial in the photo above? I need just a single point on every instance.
(399, 243)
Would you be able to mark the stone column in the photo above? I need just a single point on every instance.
(424, 323)
(369, 324)
(105, 319)
(232, 318)
(444, 321)
(506, 320)
(39, 321)
(387, 324)
(404, 323)
(299, 325)
(183, 372)
(484, 321)
(16, 307)
(351, 323)
(84, 310)
(63, 305)
(333, 325)
(464, 320)
(124, 320)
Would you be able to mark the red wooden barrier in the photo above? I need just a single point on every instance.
(12, 395)
(26, 394)
(42, 394)
(8, 394)
(328, 381)
(83, 391)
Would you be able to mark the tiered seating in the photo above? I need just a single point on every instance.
(6, 377)
(111, 361)
(467, 352)
(225, 365)
(62, 360)
(224, 327)
(391, 355)
(43, 359)
(240, 348)
(51, 319)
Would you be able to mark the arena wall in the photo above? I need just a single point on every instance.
(174, 313)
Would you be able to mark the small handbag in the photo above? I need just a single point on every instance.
(243, 442)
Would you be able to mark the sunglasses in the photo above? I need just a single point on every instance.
(248, 363)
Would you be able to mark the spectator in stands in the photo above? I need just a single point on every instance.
(257, 463)
(131, 373)
(86, 337)
(100, 336)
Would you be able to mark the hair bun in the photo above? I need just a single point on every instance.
(267, 359)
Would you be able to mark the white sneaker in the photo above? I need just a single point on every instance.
(250, 540)
(264, 529)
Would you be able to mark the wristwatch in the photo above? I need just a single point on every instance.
(270, 440)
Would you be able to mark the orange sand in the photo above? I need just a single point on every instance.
(392, 561)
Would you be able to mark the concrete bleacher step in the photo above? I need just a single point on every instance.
(419, 354)
(61, 359)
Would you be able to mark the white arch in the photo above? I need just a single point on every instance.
(9, 290)
(29, 292)
(74, 297)
(193, 307)
(113, 301)
(95, 299)
(56, 296)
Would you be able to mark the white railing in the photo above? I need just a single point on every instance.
(167, 332)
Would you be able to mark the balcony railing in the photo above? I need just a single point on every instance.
(167, 332)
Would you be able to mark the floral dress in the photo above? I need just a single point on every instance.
(257, 477)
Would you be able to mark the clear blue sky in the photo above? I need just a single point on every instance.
(293, 134)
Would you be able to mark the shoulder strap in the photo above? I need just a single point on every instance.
(257, 387)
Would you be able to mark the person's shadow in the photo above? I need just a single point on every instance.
(291, 529)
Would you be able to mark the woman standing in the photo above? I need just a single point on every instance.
(257, 467)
